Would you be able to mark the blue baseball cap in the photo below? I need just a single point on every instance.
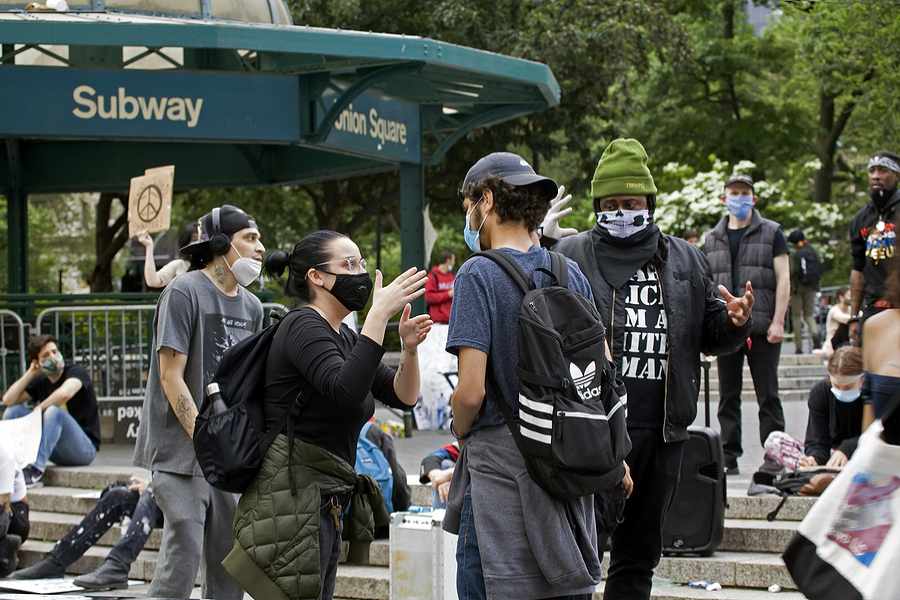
(510, 168)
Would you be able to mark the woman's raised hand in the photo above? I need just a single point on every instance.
(390, 299)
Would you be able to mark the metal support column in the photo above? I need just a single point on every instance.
(412, 221)
(16, 222)
(17, 246)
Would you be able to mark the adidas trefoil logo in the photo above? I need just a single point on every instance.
(583, 380)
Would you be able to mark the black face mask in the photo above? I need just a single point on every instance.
(352, 291)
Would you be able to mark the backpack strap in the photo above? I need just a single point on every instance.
(509, 266)
(365, 429)
(560, 269)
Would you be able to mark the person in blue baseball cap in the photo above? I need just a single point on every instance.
(505, 202)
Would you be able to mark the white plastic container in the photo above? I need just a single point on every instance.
(423, 557)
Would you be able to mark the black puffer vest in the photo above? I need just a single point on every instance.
(755, 263)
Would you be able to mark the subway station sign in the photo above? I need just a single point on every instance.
(375, 125)
(69, 103)
(154, 105)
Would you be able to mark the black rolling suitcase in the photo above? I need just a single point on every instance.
(695, 522)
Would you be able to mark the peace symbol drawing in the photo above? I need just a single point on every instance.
(149, 203)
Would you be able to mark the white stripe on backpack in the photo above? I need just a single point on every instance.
(538, 437)
(536, 406)
(545, 423)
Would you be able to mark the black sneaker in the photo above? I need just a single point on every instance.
(44, 569)
(32, 476)
(109, 576)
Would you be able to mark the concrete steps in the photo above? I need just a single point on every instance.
(748, 560)
(755, 570)
(663, 590)
(784, 383)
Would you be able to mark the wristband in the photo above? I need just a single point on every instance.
(455, 434)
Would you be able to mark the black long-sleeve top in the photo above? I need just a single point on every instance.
(832, 425)
(338, 374)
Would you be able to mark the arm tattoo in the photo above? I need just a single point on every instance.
(185, 411)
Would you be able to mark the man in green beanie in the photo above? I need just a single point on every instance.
(661, 310)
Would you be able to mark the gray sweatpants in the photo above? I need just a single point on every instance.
(197, 525)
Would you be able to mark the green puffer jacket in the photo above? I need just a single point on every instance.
(276, 533)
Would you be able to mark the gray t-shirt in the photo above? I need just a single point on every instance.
(485, 316)
(195, 318)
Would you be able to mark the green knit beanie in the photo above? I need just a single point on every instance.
(622, 171)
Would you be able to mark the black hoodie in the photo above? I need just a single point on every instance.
(697, 319)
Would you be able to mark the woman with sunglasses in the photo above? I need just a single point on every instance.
(320, 381)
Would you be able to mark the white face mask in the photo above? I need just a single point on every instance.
(623, 223)
(245, 270)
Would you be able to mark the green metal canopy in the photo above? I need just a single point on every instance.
(93, 97)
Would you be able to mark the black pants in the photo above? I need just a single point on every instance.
(636, 544)
(763, 358)
(115, 503)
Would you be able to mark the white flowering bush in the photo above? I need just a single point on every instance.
(694, 203)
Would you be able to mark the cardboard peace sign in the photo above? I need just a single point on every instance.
(150, 201)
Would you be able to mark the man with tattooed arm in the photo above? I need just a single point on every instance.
(199, 315)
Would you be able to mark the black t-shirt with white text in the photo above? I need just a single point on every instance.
(82, 406)
(645, 351)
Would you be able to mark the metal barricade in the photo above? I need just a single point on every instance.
(13, 352)
(112, 342)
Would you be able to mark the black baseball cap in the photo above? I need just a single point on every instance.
(510, 168)
(231, 219)
(739, 178)
(796, 236)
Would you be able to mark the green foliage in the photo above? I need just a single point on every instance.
(800, 104)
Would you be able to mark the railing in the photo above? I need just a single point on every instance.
(113, 342)
(13, 351)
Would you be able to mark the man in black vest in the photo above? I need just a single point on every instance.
(747, 251)
(872, 238)
(661, 309)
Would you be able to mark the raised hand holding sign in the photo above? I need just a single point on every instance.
(150, 201)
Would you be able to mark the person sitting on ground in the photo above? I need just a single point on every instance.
(14, 524)
(880, 357)
(835, 411)
(133, 500)
(65, 395)
(437, 470)
(160, 279)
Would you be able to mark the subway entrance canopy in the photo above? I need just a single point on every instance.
(233, 94)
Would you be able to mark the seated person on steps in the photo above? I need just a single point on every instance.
(133, 500)
(65, 395)
(437, 470)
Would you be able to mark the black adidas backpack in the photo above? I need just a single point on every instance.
(569, 419)
(230, 444)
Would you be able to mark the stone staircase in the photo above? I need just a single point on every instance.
(796, 375)
(747, 563)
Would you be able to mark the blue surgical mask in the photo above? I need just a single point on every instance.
(846, 396)
(472, 236)
(740, 206)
